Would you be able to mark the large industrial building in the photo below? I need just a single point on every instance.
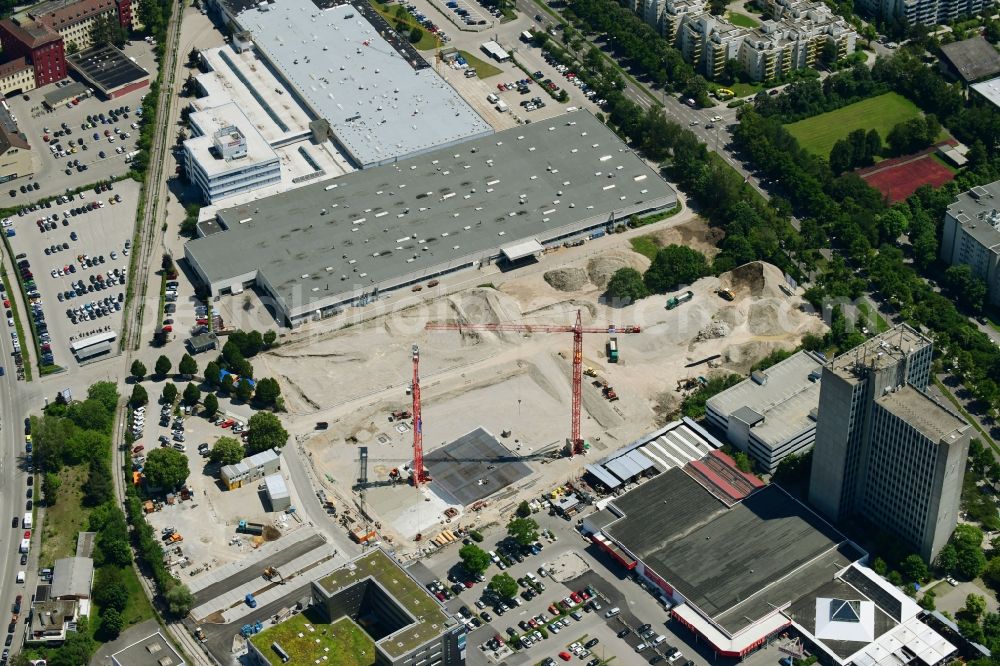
(382, 101)
(407, 625)
(740, 564)
(886, 450)
(772, 414)
(504, 198)
(971, 235)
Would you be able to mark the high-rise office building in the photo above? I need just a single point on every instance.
(884, 449)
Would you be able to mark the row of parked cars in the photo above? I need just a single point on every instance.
(37, 312)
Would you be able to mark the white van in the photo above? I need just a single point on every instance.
(494, 557)
(20, 577)
(492, 99)
(25, 545)
(26, 523)
(614, 611)
(659, 639)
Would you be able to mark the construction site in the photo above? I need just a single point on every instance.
(497, 420)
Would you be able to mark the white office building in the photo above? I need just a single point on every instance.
(971, 235)
(228, 155)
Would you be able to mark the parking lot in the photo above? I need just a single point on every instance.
(49, 168)
(77, 260)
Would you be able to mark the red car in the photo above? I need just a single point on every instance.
(27, 534)
(439, 595)
(468, 584)
(576, 597)
(565, 656)
(228, 423)
(501, 86)
(137, 449)
(584, 594)
(6, 303)
(554, 610)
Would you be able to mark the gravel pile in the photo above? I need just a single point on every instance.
(566, 279)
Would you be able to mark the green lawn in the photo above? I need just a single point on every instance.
(742, 20)
(867, 311)
(484, 70)
(306, 639)
(882, 113)
(427, 42)
(646, 246)
(66, 518)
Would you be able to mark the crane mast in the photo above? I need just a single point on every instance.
(419, 474)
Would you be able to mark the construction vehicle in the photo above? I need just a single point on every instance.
(199, 633)
(609, 393)
(590, 372)
(251, 601)
(726, 294)
(680, 299)
(613, 349)
(250, 528)
(270, 573)
(176, 537)
(400, 415)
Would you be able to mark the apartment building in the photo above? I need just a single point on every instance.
(884, 449)
(971, 235)
(15, 152)
(793, 38)
(16, 76)
(927, 12)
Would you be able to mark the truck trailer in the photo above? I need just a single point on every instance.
(250, 528)
(613, 349)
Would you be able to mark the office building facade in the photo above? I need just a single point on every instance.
(864, 461)
(971, 235)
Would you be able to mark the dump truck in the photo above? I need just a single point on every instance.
(726, 294)
(613, 349)
(250, 528)
(680, 299)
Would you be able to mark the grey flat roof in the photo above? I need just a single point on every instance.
(431, 213)
(603, 476)
(923, 413)
(989, 89)
(380, 106)
(765, 549)
(784, 400)
(474, 466)
(879, 351)
(154, 650)
(106, 67)
(977, 212)
(973, 58)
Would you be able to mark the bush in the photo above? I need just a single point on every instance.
(476, 536)
(627, 286)
(674, 265)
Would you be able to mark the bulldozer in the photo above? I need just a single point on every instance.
(270, 573)
(590, 372)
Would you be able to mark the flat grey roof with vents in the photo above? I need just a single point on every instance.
(976, 210)
(379, 105)
(398, 224)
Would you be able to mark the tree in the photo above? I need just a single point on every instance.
(914, 569)
(672, 266)
(992, 572)
(626, 286)
(112, 623)
(138, 370)
(166, 468)
(169, 394)
(227, 451)
(244, 389)
(180, 601)
(212, 371)
(474, 559)
(191, 394)
(162, 366)
(139, 396)
(110, 591)
(50, 488)
(879, 566)
(72, 48)
(523, 530)
(210, 406)
(99, 486)
(267, 392)
(416, 34)
(90, 415)
(266, 432)
(188, 366)
(523, 509)
(503, 585)
(971, 563)
(270, 337)
(975, 605)
(77, 649)
(841, 157)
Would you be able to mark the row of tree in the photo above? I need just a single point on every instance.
(672, 266)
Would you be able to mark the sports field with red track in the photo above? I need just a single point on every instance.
(899, 181)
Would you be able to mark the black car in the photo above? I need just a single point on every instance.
(642, 627)
(14, 522)
(27, 505)
(24, 559)
(591, 643)
(656, 658)
(623, 633)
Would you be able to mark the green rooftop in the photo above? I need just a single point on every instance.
(431, 620)
(308, 640)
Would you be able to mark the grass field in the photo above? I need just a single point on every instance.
(137, 610)
(882, 113)
(427, 42)
(484, 70)
(742, 20)
(307, 638)
(646, 246)
(66, 518)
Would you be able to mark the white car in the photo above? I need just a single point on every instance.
(7, 222)
(10, 321)
(20, 578)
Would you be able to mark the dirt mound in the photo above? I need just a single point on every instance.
(600, 269)
(767, 318)
(566, 279)
(754, 279)
(715, 330)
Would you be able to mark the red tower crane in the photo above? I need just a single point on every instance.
(577, 330)
(419, 473)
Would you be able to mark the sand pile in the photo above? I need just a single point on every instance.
(600, 269)
(754, 279)
(769, 317)
(566, 279)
